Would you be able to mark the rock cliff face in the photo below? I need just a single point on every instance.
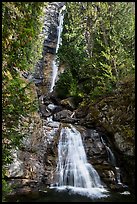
(99, 153)
(31, 164)
(43, 70)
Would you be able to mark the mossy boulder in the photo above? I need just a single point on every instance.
(116, 115)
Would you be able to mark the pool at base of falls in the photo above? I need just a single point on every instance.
(54, 195)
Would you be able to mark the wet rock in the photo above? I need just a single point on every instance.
(118, 187)
(46, 100)
(51, 106)
(81, 113)
(69, 120)
(64, 114)
(53, 124)
(49, 49)
(58, 109)
(68, 103)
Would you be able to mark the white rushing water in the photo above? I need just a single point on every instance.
(73, 170)
(112, 161)
(59, 41)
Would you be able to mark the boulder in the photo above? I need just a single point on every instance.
(62, 115)
(123, 145)
(68, 103)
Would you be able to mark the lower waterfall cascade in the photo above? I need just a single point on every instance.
(73, 171)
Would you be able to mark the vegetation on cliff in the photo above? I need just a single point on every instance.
(98, 48)
(21, 49)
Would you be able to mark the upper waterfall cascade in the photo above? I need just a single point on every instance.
(59, 41)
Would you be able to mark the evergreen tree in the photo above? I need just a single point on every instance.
(21, 26)
(98, 45)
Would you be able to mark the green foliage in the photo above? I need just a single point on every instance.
(98, 46)
(5, 188)
(20, 41)
(67, 85)
(21, 26)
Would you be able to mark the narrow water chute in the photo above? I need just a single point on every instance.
(59, 41)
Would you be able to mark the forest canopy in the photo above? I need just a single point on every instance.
(98, 49)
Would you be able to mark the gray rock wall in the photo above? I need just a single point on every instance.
(43, 70)
(33, 161)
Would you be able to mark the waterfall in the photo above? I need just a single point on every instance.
(112, 161)
(73, 170)
(111, 157)
(118, 175)
(55, 62)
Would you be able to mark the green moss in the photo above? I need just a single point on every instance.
(127, 131)
(94, 112)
